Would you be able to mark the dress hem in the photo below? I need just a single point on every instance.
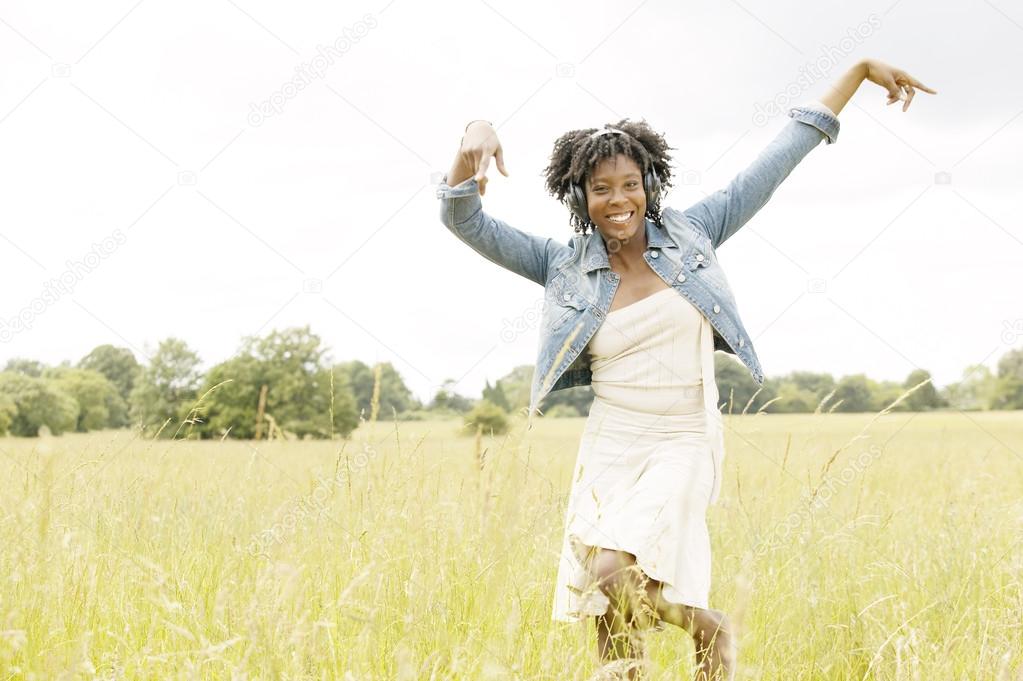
(659, 625)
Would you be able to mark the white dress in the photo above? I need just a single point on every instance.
(649, 456)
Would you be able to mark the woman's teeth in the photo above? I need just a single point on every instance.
(625, 217)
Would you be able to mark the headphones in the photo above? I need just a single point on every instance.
(575, 198)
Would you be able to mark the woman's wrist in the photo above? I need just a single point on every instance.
(471, 123)
(840, 92)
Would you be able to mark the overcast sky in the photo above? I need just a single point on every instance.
(141, 167)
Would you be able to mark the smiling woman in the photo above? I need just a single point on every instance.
(635, 305)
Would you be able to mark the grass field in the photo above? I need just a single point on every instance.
(395, 555)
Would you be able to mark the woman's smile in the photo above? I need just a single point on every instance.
(621, 218)
(620, 224)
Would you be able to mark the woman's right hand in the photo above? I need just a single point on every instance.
(479, 145)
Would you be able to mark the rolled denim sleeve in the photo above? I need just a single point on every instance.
(820, 116)
(461, 211)
(721, 214)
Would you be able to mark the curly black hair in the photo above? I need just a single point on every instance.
(576, 155)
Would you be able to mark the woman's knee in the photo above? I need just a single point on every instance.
(610, 567)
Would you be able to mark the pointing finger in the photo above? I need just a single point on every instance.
(500, 161)
(917, 84)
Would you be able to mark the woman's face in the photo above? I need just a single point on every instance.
(615, 190)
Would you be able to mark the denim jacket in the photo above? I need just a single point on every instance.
(577, 278)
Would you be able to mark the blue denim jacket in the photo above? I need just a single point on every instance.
(577, 277)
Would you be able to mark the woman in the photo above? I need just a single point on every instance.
(635, 305)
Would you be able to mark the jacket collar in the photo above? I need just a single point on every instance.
(596, 251)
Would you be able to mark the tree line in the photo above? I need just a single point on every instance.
(283, 384)
(278, 385)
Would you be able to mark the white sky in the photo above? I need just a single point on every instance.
(325, 212)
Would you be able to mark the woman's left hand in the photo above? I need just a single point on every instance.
(900, 85)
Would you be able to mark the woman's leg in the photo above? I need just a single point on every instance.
(619, 630)
(711, 631)
(617, 641)
(636, 603)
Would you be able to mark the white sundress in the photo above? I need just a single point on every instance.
(649, 458)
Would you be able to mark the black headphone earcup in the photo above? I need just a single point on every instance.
(652, 185)
(577, 202)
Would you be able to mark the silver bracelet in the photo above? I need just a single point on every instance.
(478, 119)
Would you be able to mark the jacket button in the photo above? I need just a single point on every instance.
(742, 342)
(567, 296)
(653, 254)
(699, 256)
(681, 277)
(717, 308)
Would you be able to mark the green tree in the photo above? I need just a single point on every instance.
(736, 386)
(976, 390)
(796, 392)
(231, 407)
(99, 404)
(1011, 363)
(1008, 393)
(884, 393)
(819, 383)
(27, 367)
(516, 385)
(395, 396)
(577, 398)
(926, 396)
(167, 386)
(117, 364)
(855, 393)
(291, 364)
(495, 395)
(8, 410)
(1008, 389)
(792, 399)
(448, 400)
(37, 403)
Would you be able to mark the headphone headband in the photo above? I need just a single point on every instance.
(609, 131)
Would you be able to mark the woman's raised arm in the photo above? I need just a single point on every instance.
(461, 209)
(721, 214)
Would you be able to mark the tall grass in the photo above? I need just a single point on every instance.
(412, 552)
